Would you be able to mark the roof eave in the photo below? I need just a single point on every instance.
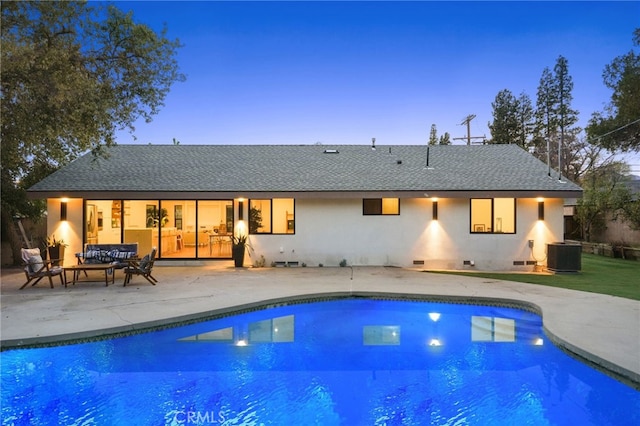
(216, 195)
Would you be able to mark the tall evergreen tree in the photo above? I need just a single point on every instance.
(563, 85)
(445, 139)
(511, 119)
(505, 123)
(433, 135)
(545, 125)
(554, 115)
(524, 115)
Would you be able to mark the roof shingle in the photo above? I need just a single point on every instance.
(304, 168)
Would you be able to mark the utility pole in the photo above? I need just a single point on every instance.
(467, 121)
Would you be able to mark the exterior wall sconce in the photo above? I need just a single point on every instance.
(540, 209)
(63, 210)
(434, 214)
(241, 210)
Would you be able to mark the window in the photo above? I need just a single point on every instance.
(275, 216)
(380, 206)
(493, 215)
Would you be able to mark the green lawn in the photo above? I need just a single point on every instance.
(600, 274)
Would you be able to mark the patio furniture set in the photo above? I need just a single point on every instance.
(96, 257)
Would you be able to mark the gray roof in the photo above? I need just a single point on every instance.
(250, 169)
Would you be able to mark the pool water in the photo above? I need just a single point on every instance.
(341, 362)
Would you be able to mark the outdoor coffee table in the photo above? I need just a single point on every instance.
(106, 267)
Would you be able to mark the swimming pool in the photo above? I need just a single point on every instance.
(351, 362)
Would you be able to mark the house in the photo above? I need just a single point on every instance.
(489, 207)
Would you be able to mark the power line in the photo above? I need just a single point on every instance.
(617, 130)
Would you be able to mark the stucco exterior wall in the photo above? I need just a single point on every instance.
(328, 231)
(70, 231)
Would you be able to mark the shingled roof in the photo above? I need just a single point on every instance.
(450, 170)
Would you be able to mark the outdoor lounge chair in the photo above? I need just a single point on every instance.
(141, 267)
(37, 268)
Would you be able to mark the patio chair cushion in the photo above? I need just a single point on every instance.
(35, 263)
(106, 256)
(144, 262)
(27, 254)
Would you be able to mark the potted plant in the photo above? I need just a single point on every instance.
(56, 250)
(239, 246)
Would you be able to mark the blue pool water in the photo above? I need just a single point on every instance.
(342, 362)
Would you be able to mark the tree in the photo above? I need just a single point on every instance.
(605, 195)
(504, 123)
(579, 157)
(433, 135)
(524, 116)
(567, 117)
(445, 139)
(72, 75)
(544, 128)
(631, 211)
(511, 119)
(619, 126)
(554, 115)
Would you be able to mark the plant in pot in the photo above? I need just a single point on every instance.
(55, 248)
(238, 249)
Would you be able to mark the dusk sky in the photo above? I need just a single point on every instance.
(343, 72)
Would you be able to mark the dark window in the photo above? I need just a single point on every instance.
(380, 206)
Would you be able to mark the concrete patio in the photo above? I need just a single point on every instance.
(604, 330)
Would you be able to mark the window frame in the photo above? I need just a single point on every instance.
(380, 205)
(271, 231)
(472, 226)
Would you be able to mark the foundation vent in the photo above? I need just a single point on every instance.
(418, 262)
(518, 262)
(531, 262)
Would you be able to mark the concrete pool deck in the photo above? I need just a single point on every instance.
(604, 330)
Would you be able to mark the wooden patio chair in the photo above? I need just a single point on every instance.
(37, 268)
(141, 267)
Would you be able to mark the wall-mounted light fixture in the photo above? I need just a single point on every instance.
(540, 209)
(434, 214)
(63, 209)
(240, 209)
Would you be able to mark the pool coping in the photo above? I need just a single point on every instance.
(615, 371)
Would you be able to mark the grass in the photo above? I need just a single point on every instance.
(599, 274)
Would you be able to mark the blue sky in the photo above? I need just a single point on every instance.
(344, 72)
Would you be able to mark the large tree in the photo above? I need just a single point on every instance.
(606, 195)
(554, 116)
(619, 126)
(73, 73)
(511, 119)
(505, 123)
